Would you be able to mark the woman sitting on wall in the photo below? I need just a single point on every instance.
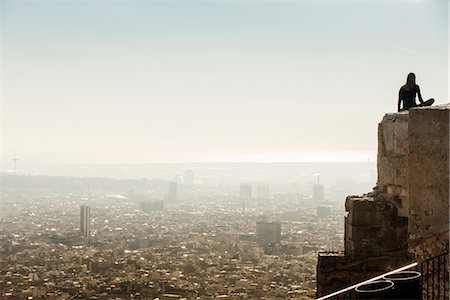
(408, 92)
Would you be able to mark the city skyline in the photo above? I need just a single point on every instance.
(208, 81)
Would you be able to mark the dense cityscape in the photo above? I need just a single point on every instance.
(220, 149)
(162, 239)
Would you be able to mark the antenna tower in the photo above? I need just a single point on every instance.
(15, 159)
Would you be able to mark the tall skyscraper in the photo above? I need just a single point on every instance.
(172, 194)
(245, 191)
(85, 220)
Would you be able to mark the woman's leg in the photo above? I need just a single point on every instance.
(429, 102)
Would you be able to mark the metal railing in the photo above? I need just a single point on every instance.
(435, 276)
(434, 280)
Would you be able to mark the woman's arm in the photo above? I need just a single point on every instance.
(399, 100)
(418, 94)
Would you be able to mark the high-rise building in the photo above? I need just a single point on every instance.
(188, 177)
(172, 194)
(85, 220)
(263, 191)
(245, 191)
(268, 233)
(318, 193)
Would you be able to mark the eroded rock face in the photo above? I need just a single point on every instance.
(336, 271)
(413, 174)
(428, 176)
(407, 215)
(373, 226)
(392, 160)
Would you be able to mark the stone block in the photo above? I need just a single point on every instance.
(336, 271)
(368, 218)
(428, 175)
(393, 135)
(401, 180)
(350, 200)
(409, 209)
(394, 189)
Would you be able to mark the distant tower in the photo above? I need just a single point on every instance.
(263, 191)
(188, 177)
(318, 191)
(15, 159)
(172, 194)
(85, 220)
(245, 191)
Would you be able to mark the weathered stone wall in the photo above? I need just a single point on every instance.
(408, 211)
(373, 227)
(428, 176)
(336, 271)
(392, 160)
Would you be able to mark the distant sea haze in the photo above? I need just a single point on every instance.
(209, 172)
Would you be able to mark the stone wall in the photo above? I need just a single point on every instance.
(392, 159)
(336, 271)
(375, 241)
(373, 227)
(428, 176)
(406, 217)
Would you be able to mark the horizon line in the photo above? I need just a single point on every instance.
(192, 162)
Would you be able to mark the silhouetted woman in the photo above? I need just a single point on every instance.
(408, 92)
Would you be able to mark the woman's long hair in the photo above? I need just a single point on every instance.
(411, 80)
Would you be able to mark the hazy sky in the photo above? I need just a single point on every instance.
(195, 81)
